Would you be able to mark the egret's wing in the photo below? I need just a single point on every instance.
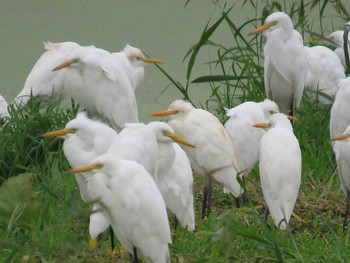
(214, 140)
(244, 136)
(3, 108)
(340, 118)
(42, 81)
(324, 70)
(178, 189)
(137, 142)
(299, 66)
(100, 84)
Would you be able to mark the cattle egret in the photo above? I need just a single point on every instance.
(100, 81)
(324, 70)
(213, 154)
(284, 62)
(340, 118)
(280, 168)
(4, 108)
(85, 139)
(245, 138)
(137, 142)
(337, 38)
(343, 163)
(174, 179)
(135, 206)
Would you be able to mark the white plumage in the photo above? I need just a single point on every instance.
(284, 63)
(98, 80)
(245, 138)
(340, 118)
(324, 70)
(135, 206)
(137, 142)
(86, 139)
(343, 160)
(174, 179)
(213, 154)
(280, 169)
(338, 38)
(4, 108)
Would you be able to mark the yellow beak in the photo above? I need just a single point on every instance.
(163, 113)
(292, 118)
(262, 125)
(152, 60)
(65, 64)
(84, 169)
(264, 27)
(177, 138)
(58, 133)
(341, 137)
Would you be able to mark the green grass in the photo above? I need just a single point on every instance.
(42, 218)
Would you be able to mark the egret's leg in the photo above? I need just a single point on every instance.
(204, 200)
(176, 222)
(135, 258)
(347, 211)
(111, 234)
(173, 234)
(209, 194)
(243, 196)
(238, 202)
(266, 214)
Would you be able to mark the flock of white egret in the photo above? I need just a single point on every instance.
(132, 173)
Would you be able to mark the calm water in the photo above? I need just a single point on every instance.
(164, 29)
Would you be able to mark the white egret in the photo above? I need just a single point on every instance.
(337, 37)
(85, 139)
(284, 62)
(280, 168)
(4, 108)
(135, 206)
(174, 179)
(137, 142)
(244, 137)
(340, 118)
(96, 79)
(343, 161)
(213, 155)
(324, 70)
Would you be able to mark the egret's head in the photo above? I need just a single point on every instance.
(164, 133)
(269, 107)
(104, 163)
(176, 109)
(136, 57)
(337, 37)
(277, 20)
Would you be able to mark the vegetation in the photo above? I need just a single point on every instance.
(42, 217)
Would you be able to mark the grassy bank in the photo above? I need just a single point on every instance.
(42, 218)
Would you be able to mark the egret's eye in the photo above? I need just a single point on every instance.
(99, 166)
(74, 130)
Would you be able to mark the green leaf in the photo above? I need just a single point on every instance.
(17, 202)
(204, 37)
(213, 78)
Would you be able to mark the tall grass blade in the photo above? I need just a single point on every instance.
(204, 37)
